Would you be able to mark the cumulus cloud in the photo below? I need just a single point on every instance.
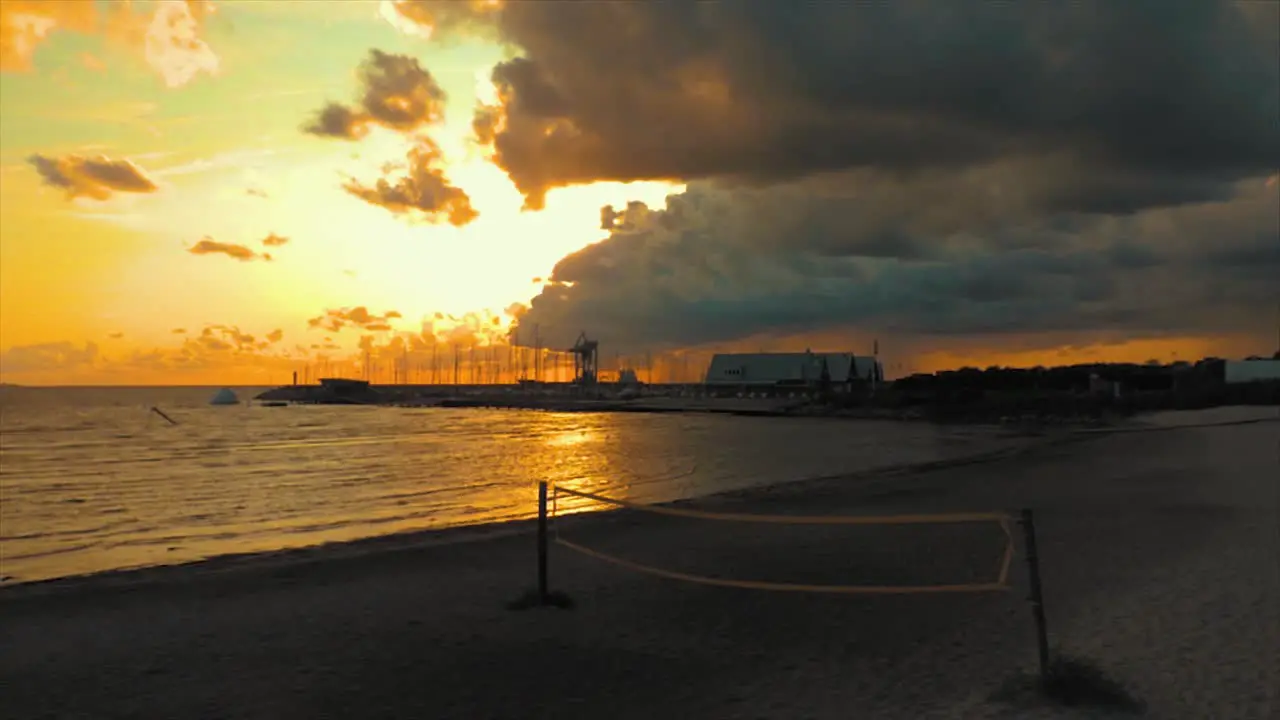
(422, 192)
(442, 18)
(225, 337)
(397, 93)
(335, 320)
(479, 328)
(216, 351)
(761, 92)
(91, 177)
(995, 169)
(169, 39)
(402, 96)
(274, 240)
(173, 45)
(24, 24)
(219, 338)
(43, 357)
(719, 264)
(209, 246)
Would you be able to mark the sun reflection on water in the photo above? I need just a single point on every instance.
(100, 485)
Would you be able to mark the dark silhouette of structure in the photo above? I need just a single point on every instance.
(586, 360)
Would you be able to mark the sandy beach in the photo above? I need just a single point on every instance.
(1159, 554)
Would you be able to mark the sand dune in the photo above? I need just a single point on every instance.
(1159, 566)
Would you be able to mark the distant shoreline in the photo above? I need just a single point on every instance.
(676, 399)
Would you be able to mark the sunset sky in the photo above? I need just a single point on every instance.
(222, 193)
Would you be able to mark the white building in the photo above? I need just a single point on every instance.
(806, 369)
(1243, 371)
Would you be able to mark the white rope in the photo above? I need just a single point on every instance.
(1001, 583)
(788, 587)
(794, 519)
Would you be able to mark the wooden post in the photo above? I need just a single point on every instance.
(1036, 598)
(542, 542)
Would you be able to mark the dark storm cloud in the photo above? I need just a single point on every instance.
(711, 277)
(910, 167)
(1169, 100)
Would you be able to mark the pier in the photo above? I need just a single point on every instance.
(554, 397)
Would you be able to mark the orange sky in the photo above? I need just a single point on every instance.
(166, 221)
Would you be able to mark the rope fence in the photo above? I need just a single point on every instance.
(548, 496)
(999, 584)
(790, 519)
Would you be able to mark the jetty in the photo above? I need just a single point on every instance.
(553, 397)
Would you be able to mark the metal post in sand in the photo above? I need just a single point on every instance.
(542, 542)
(1036, 598)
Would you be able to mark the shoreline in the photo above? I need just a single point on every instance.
(1150, 546)
(412, 540)
(876, 482)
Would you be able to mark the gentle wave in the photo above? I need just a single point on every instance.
(91, 482)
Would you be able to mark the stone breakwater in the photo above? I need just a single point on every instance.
(682, 400)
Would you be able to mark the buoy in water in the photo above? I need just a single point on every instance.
(225, 397)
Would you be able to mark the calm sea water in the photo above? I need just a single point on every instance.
(92, 480)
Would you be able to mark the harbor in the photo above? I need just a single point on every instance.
(753, 384)
(766, 384)
(561, 397)
(842, 385)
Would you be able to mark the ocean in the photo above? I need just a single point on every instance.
(92, 480)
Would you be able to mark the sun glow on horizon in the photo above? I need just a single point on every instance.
(275, 184)
(130, 258)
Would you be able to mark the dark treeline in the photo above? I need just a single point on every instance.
(1098, 391)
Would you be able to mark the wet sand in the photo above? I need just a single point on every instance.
(1159, 560)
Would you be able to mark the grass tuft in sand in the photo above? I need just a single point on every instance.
(1072, 682)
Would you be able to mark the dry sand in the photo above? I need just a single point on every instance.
(1161, 562)
(1209, 416)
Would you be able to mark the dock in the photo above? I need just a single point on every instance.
(546, 397)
